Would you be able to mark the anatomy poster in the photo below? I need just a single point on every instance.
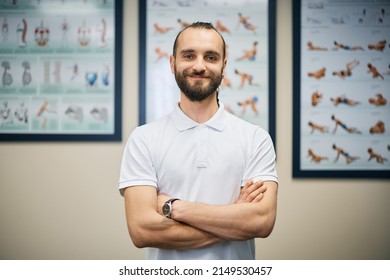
(57, 69)
(342, 88)
(247, 89)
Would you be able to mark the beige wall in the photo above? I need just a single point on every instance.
(59, 200)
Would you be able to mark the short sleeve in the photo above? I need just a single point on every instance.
(261, 166)
(137, 167)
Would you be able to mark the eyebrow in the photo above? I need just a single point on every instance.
(207, 52)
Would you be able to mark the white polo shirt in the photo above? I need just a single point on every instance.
(199, 162)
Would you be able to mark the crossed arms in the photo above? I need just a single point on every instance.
(196, 225)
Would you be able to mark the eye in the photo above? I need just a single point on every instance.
(211, 58)
(188, 56)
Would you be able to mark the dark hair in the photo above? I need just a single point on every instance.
(200, 25)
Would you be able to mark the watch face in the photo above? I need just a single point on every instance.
(166, 209)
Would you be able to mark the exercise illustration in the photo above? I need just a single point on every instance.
(320, 128)
(379, 127)
(182, 23)
(344, 100)
(318, 74)
(161, 30)
(316, 97)
(314, 157)
(312, 47)
(348, 70)
(340, 151)
(339, 46)
(379, 159)
(344, 126)
(245, 78)
(379, 46)
(221, 27)
(244, 21)
(160, 54)
(251, 102)
(374, 72)
(379, 100)
(249, 54)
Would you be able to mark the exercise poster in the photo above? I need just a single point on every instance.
(57, 67)
(344, 86)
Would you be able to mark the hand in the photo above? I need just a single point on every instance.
(252, 192)
(161, 199)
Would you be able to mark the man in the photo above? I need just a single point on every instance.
(200, 156)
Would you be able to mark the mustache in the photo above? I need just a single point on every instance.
(201, 74)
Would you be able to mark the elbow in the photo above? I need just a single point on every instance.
(138, 238)
(266, 227)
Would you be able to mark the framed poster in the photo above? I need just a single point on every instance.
(341, 89)
(60, 70)
(248, 88)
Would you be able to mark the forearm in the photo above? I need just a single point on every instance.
(164, 233)
(147, 228)
(238, 221)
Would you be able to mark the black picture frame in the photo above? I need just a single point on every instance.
(317, 20)
(114, 11)
(271, 67)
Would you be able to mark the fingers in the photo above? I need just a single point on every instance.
(252, 192)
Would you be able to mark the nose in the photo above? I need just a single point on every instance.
(199, 65)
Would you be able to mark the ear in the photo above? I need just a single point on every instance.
(172, 64)
(224, 67)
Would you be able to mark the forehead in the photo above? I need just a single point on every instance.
(200, 39)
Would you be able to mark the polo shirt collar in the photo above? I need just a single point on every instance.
(182, 122)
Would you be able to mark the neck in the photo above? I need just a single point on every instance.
(199, 111)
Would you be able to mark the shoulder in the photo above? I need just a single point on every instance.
(152, 128)
(244, 126)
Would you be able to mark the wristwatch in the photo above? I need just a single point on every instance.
(167, 207)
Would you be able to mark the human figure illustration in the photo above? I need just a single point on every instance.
(245, 78)
(379, 46)
(318, 74)
(378, 101)
(244, 21)
(251, 102)
(42, 113)
(344, 126)
(316, 98)
(375, 73)
(183, 23)
(340, 151)
(379, 159)
(320, 128)
(348, 71)
(226, 82)
(344, 100)
(249, 54)
(221, 27)
(314, 157)
(312, 47)
(379, 127)
(160, 29)
(346, 47)
(160, 54)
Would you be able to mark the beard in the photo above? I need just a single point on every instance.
(198, 91)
